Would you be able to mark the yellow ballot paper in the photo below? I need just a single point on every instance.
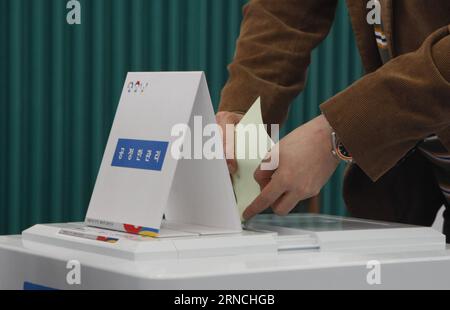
(252, 144)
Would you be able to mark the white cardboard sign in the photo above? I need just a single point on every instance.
(139, 180)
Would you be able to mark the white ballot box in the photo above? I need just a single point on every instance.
(162, 217)
(296, 252)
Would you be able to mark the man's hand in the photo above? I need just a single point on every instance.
(305, 165)
(224, 119)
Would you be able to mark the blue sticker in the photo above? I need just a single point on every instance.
(28, 286)
(140, 154)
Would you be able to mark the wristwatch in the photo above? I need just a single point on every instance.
(339, 151)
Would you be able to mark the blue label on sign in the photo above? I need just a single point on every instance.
(140, 154)
(28, 286)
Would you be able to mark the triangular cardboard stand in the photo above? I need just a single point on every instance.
(208, 198)
(139, 179)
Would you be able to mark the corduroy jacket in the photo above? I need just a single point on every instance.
(382, 117)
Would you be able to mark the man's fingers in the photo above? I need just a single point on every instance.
(263, 183)
(224, 119)
(268, 196)
(232, 166)
(263, 177)
(285, 204)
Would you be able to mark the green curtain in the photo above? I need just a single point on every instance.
(60, 84)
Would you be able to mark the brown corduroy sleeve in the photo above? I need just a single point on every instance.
(273, 53)
(384, 115)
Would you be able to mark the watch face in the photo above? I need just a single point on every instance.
(339, 150)
(343, 150)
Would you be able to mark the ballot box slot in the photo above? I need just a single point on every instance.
(335, 233)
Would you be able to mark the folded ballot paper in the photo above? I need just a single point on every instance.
(252, 144)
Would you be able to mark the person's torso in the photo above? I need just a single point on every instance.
(404, 26)
(407, 23)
